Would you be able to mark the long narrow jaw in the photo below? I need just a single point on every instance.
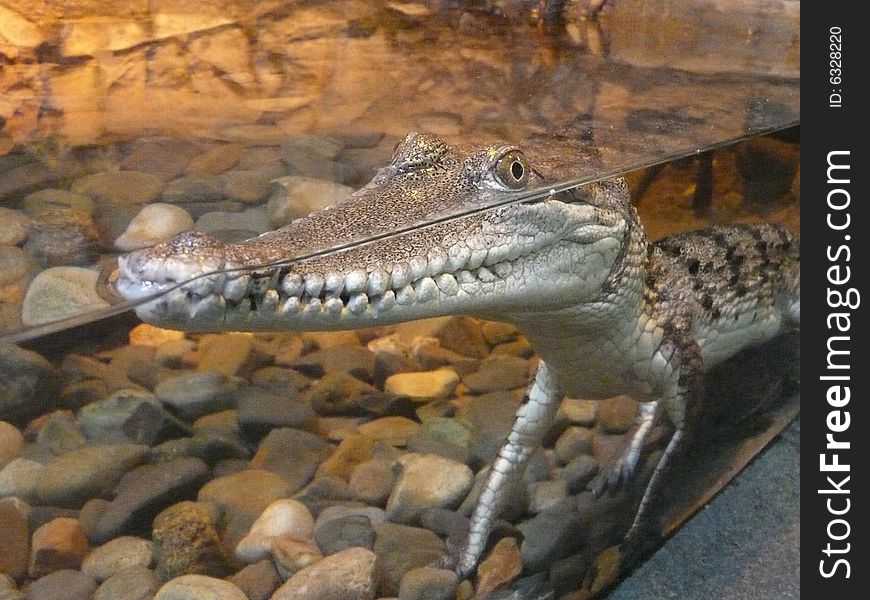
(517, 257)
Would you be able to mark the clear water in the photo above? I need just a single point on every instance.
(207, 103)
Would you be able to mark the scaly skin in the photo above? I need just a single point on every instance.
(607, 312)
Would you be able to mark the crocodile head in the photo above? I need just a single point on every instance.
(518, 258)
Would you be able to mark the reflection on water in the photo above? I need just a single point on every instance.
(123, 123)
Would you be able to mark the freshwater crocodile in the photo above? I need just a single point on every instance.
(607, 312)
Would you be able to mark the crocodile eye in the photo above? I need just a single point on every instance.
(512, 170)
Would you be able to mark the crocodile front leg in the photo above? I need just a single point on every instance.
(533, 419)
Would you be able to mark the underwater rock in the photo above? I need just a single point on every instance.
(253, 220)
(18, 479)
(428, 583)
(59, 433)
(258, 581)
(186, 542)
(546, 494)
(353, 450)
(66, 583)
(579, 472)
(145, 491)
(215, 160)
(196, 394)
(490, 415)
(198, 587)
(121, 187)
(230, 354)
(439, 383)
(61, 236)
(13, 227)
(350, 359)
(72, 478)
(501, 566)
(393, 431)
(129, 416)
(496, 332)
(192, 189)
(574, 411)
(61, 292)
(372, 481)
(616, 415)
(573, 442)
(58, 544)
(243, 497)
(346, 575)
(282, 518)
(249, 186)
(14, 537)
(126, 552)
(427, 480)
(401, 548)
(136, 583)
(463, 335)
(339, 394)
(164, 157)
(551, 535)
(293, 197)
(293, 454)
(292, 555)
(50, 199)
(335, 535)
(11, 442)
(450, 438)
(154, 224)
(262, 410)
(498, 372)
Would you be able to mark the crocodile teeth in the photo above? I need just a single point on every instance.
(418, 266)
(291, 285)
(333, 283)
(270, 301)
(425, 289)
(313, 284)
(385, 302)
(476, 259)
(406, 295)
(313, 306)
(333, 306)
(457, 256)
(436, 259)
(465, 277)
(357, 303)
(485, 275)
(401, 275)
(356, 281)
(236, 289)
(379, 282)
(447, 284)
(503, 269)
(292, 305)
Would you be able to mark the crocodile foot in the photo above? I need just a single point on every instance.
(617, 476)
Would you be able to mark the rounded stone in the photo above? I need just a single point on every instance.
(72, 478)
(427, 583)
(346, 575)
(11, 442)
(372, 481)
(125, 187)
(19, 478)
(50, 199)
(393, 431)
(154, 224)
(286, 517)
(401, 548)
(126, 552)
(13, 227)
(61, 292)
(60, 237)
(573, 442)
(293, 454)
(439, 383)
(426, 481)
(58, 544)
(195, 394)
(253, 220)
(294, 197)
(66, 583)
(199, 587)
(137, 583)
(14, 537)
(186, 542)
(617, 415)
